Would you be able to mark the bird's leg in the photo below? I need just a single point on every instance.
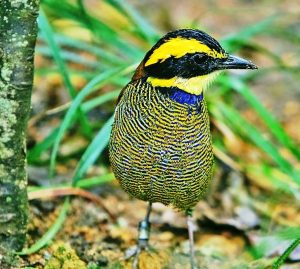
(144, 229)
(144, 234)
(190, 225)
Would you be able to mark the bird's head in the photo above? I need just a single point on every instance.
(187, 59)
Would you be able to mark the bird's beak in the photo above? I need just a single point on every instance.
(234, 62)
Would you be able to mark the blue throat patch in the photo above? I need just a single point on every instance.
(183, 97)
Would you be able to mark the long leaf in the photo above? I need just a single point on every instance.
(82, 183)
(93, 49)
(91, 86)
(234, 41)
(93, 151)
(99, 100)
(277, 264)
(50, 234)
(69, 56)
(250, 131)
(142, 26)
(35, 153)
(273, 125)
(48, 34)
(101, 30)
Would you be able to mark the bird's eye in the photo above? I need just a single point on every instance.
(199, 58)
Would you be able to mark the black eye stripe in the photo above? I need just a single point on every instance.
(185, 66)
(199, 58)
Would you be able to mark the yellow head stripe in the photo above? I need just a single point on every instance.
(194, 85)
(178, 47)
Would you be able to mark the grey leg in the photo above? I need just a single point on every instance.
(144, 234)
(144, 229)
(191, 239)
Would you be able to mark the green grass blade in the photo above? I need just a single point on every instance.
(50, 234)
(103, 54)
(248, 130)
(235, 41)
(69, 56)
(84, 15)
(86, 74)
(93, 151)
(35, 153)
(95, 181)
(91, 86)
(101, 30)
(142, 26)
(48, 34)
(286, 254)
(97, 101)
(273, 125)
(283, 184)
(85, 183)
(289, 233)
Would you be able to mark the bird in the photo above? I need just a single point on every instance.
(160, 146)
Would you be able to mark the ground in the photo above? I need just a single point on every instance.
(95, 237)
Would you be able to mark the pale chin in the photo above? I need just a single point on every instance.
(210, 79)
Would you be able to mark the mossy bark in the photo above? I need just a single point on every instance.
(18, 31)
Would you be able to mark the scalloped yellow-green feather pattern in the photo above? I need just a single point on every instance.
(161, 150)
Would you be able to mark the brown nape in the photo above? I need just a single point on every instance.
(139, 72)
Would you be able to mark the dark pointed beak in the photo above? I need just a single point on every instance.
(234, 62)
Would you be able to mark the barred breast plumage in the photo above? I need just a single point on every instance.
(160, 149)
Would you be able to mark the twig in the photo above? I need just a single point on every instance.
(63, 191)
(49, 112)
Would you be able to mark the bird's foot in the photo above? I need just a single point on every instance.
(135, 252)
(148, 257)
(131, 252)
(144, 232)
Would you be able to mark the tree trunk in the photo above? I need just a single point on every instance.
(18, 31)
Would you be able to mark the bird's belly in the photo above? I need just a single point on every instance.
(160, 160)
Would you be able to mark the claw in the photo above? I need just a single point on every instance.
(135, 252)
(130, 252)
(136, 259)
